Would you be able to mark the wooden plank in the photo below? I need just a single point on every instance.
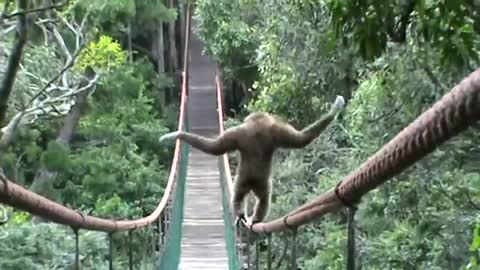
(203, 239)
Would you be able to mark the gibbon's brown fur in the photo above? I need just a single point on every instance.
(256, 139)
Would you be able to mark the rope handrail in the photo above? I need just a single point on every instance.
(19, 197)
(226, 178)
(219, 89)
(453, 113)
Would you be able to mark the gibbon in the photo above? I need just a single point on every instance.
(256, 139)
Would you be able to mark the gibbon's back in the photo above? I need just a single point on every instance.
(256, 141)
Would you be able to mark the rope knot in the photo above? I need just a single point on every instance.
(349, 205)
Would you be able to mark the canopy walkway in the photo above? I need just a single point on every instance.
(193, 223)
(203, 239)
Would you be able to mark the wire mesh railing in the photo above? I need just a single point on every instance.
(235, 248)
(453, 113)
(171, 241)
(163, 225)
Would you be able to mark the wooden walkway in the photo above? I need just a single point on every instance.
(203, 240)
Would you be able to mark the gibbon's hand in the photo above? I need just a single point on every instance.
(247, 222)
(169, 136)
(4, 216)
(338, 105)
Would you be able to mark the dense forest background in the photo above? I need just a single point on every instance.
(98, 82)
(391, 60)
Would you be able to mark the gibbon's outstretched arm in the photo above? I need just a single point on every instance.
(288, 137)
(224, 143)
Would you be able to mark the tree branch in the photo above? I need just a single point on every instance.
(69, 64)
(73, 92)
(470, 201)
(434, 78)
(19, 13)
(386, 114)
(13, 61)
(9, 130)
(422, 63)
(473, 8)
(456, 200)
(5, 8)
(398, 32)
(57, 99)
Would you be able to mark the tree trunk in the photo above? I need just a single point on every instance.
(10, 73)
(158, 50)
(172, 52)
(9, 132)
(172, 41)
(161, 50)
(72, 119)
(130, 49)
(350, 83)
(179, 28)
(187, 56)
(43, 182)
(182, 13)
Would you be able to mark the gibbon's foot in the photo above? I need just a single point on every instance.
(240, 219)
(168, 136)
(338, 105)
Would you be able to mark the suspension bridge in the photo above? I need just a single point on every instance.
(193, 222)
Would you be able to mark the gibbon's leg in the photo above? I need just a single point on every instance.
(262, 193)
(288, 137)
(240, 190)
(226, 142)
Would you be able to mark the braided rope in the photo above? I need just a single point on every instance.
(453, 113)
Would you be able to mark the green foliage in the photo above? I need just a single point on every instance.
(475, 248)
(149, 13)
(32, 78)
(115, 16)
(14, 217)
(111, 206)
(120, 156)
(450, 27)
(292, 46)
(228, 32)
(222, 27)
(105, 53)
(49, 246)
(56, 157)
(111, 8)
(114, 166)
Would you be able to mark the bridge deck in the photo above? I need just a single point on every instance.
(203, 240)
